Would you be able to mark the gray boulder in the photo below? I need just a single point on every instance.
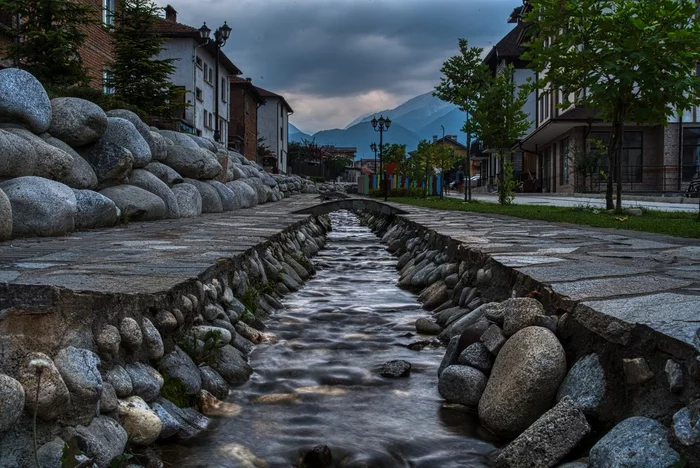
(189, 201)
(235, 172)
(104, 439)
(256, 184)
(585, 384)
(40, 207)
(122, 133)
(136, 121)
(94, 210)
(686, 424)
(50, 453)
(451, 355)
(524, 381)
(462, 384)
(520, 312)
(427, 327)
(81, 174)
(79, 369)
(180, 139)
(213, 383)
(211, 201)
(178, 365)
(53, 398)
(146, 381)
(76, 121)
(165, 173)
(203, 143)
(23, 100)
(635, 442)
(18, 157)
(5, 217)
(152, 340)
(190, 422)
(548, 440)
(112, 163)
(120, 380)
(476, 355)
(229, 200)
(170, 424)
(397, 368)
(11, 401)
(51, 162)
(159, 150)
(137, 203)
(246, 194)
(232, 366)
(144, 179)
(196, 163)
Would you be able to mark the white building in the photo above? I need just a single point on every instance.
(273, 126)
(196, 73)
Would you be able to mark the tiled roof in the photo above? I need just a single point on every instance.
(509, 46)
(269, 94)
(246, 83)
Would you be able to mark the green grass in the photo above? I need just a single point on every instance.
(660, 222)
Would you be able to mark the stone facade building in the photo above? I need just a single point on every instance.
(243, 126)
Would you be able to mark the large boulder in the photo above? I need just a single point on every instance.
(159, 150)
(112, 163)
(203, 143)
(136, 121)
(462, 384)
(145, 380)
(81, 174)
(196, 163)
(103, 439)
(180, 139)
(23, 100)
(5, 217)
(17, 156)
(246, 194)
(635, 442)
(232, 366)
(136, 203)
(51, 162)
(520, 312)
(165, 173)
(122, 133)
(229, 200)
(141, 423)
(53, 397)
(76, 121)
(585, 384)
(211, 201)
(147, 181)
(79, 369)
(178, 365)
(94, 210)
(40, 207)
(189, 201)
(524, 381)
(11, 401)
(256, 184)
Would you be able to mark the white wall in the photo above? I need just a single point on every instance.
(521, 76)
(273, 125)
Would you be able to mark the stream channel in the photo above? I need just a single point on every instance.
(318, 383)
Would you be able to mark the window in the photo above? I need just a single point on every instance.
(281, 111)
(211, 120)
(206, 122)
(281, 134)
(206, 73)
(108, 12)
(691, 153)
(632, 156)
(198, 62)
(223, 89)
(107, 87)
(564, 161)
(211, 76)
(198, 94)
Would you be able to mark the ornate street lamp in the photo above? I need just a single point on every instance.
(221, 35)
(382, 125)
(374, 148)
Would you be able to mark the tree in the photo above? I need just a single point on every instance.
(443, 158)
(635, 59)
(393, 153)
(137, 76)
(586, 162)
(48, 38)
(465, 76)
(500, 120)
(419, 165)
(294, 152)
(263, 149)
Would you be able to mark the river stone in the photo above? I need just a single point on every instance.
(427, 327)
(195, 162)
(50, 453)
(397, 368)
(170, 425)
(76, 121)
(462, 384)
(211, 201)
(191, 422)
(136, 121)
(476, 355)
(145, 380)
(213, 383)
(94, 210)
(472, 334)
(459, 326)
(51, 162)
(224, 334)
(23, 100)
(242, 344)
(189, 201)
(137, 203)
(636, 371)
(149, 182)
(318, 457)
(165, 321)
(81, 174)
(524, 381)
(104, 439)
(450, 356)
(130, 332)
(494, 311)
(585, 384)
(159, 150)
(232, 366)
(438, 295)
(120, 379)
(40, 207)
(54, 397)
(19, 157)
(152, 340)
(79, 369)
(178, 365)
(686, 424)
(108, 399)
(548, 440)
(166, 174)
(5, 217)
(179, 139)
(11, 401)
(140, 421)
(635, 442)
(289, 282)
(493, 339)
(520, 312)
(122, 133)
(112, 163)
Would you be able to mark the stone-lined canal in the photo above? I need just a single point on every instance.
(317, 382)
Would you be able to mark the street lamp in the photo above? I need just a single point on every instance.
(382, 125)
(373, 147)
(221, 35)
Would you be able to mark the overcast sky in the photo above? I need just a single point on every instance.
(334, 60)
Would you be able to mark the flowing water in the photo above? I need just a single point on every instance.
(318, 383)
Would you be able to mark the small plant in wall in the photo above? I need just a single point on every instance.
(204, 353)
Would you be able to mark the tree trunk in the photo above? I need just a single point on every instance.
(612, 154)
(618, 151)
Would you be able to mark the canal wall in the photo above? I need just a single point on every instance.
(554, 378)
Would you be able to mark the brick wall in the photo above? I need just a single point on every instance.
(251, 127)
(98, 49)
(244, 120)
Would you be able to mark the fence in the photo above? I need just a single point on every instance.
(644, 178)
(366, 183)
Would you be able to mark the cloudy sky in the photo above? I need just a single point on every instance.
(334, 60)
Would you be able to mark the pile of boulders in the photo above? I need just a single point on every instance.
(151, 375)
(340, 187)
(505, 360)
(67, 165)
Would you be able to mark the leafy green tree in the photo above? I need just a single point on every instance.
(263, 149)
(393, 153)
(137, 76)
(465, 76)
(500, 120)
(49, 35)
(419, 165)
(635, 59)
(443, 158)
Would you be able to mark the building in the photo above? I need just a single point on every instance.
(273, 126)
(243, 126)
(195, 72)
(368, 166)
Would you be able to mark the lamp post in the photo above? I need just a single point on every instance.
(382, 125)
(373, 147)
(221, 35)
